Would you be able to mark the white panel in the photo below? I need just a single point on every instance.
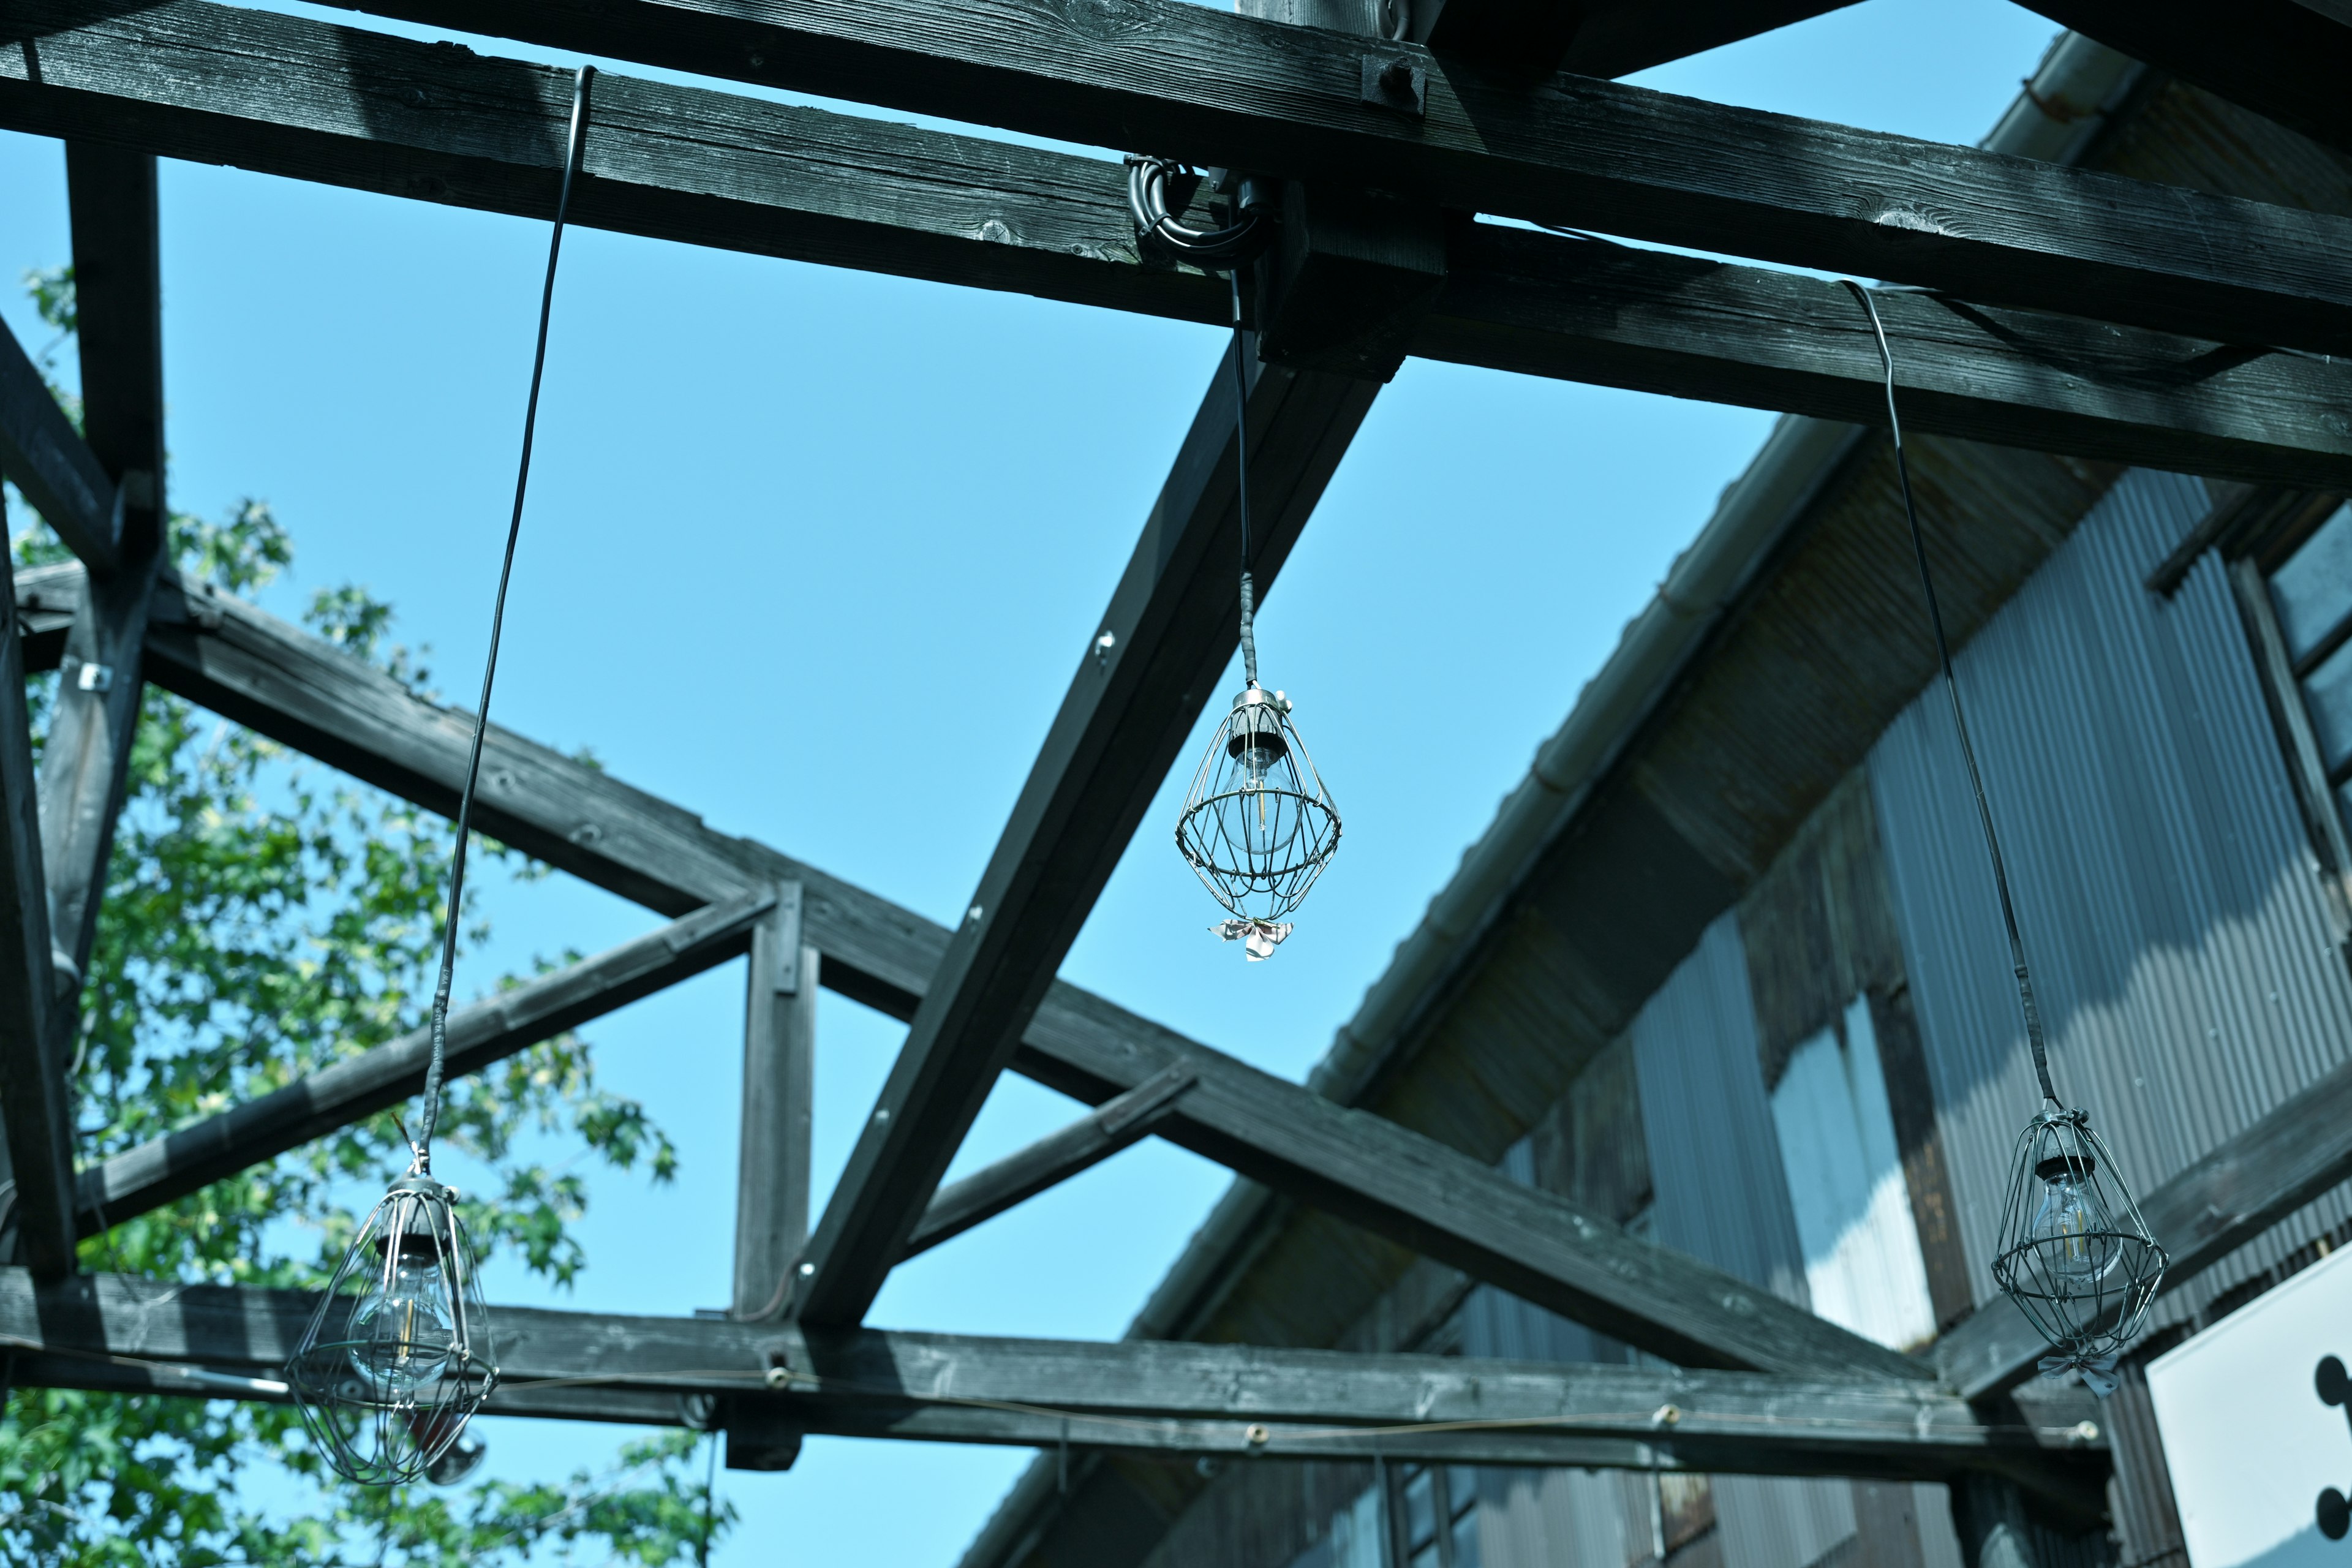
(1863, 1263)
(2250, 1442)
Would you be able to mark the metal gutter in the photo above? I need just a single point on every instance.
(2080, 90)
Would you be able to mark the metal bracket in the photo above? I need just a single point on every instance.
(787, 918)
(87, 677)
(1397, 81)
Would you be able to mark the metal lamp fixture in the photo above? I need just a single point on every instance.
(1258, 825)
(398, 1356)
(2074, 1252)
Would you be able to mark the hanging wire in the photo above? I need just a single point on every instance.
(1241, 471)
(577, 139)
(1960, 721)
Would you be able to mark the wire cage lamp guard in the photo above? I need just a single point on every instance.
(1258, 825)
(399, 1355)
(2074, 1252)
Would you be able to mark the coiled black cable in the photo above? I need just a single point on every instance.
(1146, 198)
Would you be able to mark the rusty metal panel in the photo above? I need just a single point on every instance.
(2167, 890)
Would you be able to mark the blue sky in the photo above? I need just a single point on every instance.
(814, 554)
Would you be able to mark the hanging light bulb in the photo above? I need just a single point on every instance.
(397, 1357)
(2074, 1252)
(1258, 826)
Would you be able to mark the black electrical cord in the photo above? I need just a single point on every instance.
(1960, 721)
(1240, 480)
(432, 1072)
(1146, 199)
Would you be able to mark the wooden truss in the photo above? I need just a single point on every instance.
(2060, 310)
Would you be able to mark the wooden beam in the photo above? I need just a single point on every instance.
(285, 95)
(1115, 1124)
(45, 457)
(1235, 92)
(772, 1193)
(1172, 621)
(2283, 58)
(37, 1118)
(2298, 1151)
(86, 759)
(167, 1168)
(1176, 1395)
(1420, 1193)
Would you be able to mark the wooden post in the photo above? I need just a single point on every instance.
(771, 1198)
(1988, 1513)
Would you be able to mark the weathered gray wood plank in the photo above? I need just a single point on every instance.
(45, 456)
(772, 1191)
(170, 1167)
(1166, 1395)
(1236, 91)
(789, 182)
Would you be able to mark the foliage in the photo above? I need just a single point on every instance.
(264, 917)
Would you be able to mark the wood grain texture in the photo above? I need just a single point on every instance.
(1168, 1396)
(281, 95)
(2295, 1154)
(45, 456)
(2281, 58)
(1395, 1182)
(180, 1162)
(1174, 620)
(1232, 91)
(771, 1171)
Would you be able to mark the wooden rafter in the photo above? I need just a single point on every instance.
(284, 683)
(703, 167)
(1156, 1396)
(170, 1167)
(1235, 92)
(1171, 627)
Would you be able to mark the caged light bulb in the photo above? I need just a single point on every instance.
(2065, 1229)
(401, 1332)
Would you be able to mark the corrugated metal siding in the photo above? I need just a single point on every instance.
(2163, 881)
(1715, 1160)
(1721, 1196)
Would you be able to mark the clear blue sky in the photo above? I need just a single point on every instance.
(816, 553)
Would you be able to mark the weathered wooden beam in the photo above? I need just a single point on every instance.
(2296, 1152)
(771, 1193)
(287, 684)
(1167, 1396)
(1237, 91)
(86, 758)
(170, 1167)
(295, 97)
(1170, 630)
(45, 456)
(38, 1148)
(2285, 58)
(1653, 321)
(1115, 1124)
